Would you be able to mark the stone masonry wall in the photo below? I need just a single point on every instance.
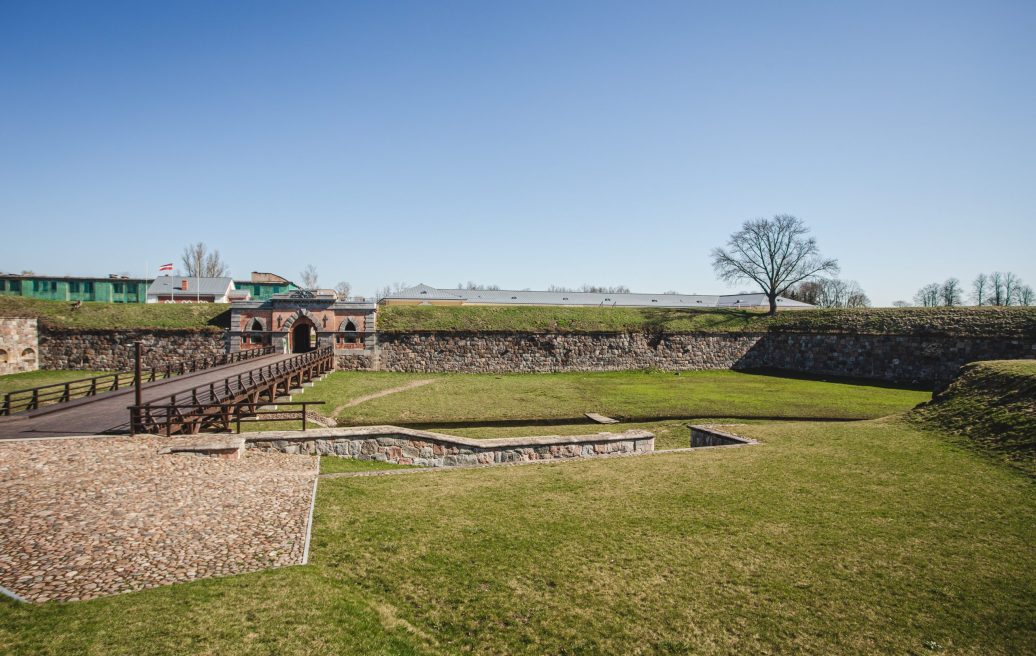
(19, 348)
(509, 352)
(112, 350)
(916, 359)
(406, 446)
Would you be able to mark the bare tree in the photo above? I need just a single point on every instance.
(343, 288)
(929, 296)
(774, 253)
(830, 293)
(950, 292)
(474, 286)
(980, 289)
(309, 277)
(388, 290)
(1026, 296)
(1011, 285)
(901, 304)
(199, 262)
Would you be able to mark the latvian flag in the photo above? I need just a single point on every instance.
(166, 267)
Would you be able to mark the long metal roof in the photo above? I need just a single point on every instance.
(424, 292)
(163, 285)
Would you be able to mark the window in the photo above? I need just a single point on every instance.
(117, 287)
(256, 325)
(349, 326)
(14, 285)
(88, 287)
(73, 287)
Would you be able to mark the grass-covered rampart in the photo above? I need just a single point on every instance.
(119, 316)
(993, 404)
(960, 321)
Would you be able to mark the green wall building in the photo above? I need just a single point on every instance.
(116, 289)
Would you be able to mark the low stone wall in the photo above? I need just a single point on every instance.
(702, 436)
(406, 446)
(917, 359)
(112, 350)
(353, 361)
(19, 348)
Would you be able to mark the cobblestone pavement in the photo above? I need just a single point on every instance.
(83, 518)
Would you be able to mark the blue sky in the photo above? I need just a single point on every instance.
(517, 143)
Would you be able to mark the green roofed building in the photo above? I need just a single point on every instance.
(122, 289)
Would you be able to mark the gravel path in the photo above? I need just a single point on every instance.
(83, 518)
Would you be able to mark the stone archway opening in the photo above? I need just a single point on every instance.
(303, 336)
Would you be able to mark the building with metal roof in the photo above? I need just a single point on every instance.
(188, 289)
(426, 295)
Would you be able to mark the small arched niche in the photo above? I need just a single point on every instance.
(28, 354)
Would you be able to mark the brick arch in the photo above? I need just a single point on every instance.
(298, 314)
(251, 322)
(344, 326)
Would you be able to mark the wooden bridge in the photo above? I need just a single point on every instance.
(257, 380)
(217, 403)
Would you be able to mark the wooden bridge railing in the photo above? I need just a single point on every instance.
(33, 398)
(193, 410)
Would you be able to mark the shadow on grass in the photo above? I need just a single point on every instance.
(842, 380)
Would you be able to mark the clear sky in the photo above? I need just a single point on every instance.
(518, 143)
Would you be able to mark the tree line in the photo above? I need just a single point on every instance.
(1000, 288)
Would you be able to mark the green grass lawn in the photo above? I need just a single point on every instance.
(829, 538)
(29, 379)
(208, 316)
(626, 395)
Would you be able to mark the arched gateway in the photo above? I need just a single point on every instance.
(301, 321)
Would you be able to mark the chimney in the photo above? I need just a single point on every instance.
(183, 284)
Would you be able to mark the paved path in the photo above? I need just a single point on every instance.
(82, 518)
(108, 412)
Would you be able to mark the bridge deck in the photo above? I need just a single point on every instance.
(107, 413)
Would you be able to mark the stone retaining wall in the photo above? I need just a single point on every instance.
(19, 347)
(917, 359)
(112, 350)
(406, 446)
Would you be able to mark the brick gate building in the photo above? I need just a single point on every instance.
(301, 321)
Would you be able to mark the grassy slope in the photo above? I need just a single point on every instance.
(993, 404)
(59, 314)
(629, 395)
(870, 537)
(984, 321)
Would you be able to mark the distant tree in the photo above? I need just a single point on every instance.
(950, 292)
(980, 289)
(1026, 296)
(830, 293)
(603, 289)
(901, 304)
(474, 286)
(774, 253)
(1012, 284)
(388, 290)
(594, 289)
(807, 291)
(199, 262)
(671, 291)
(309, 277)
(1004, 287)
(342, 289)
(929, 296)
(28, 272)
